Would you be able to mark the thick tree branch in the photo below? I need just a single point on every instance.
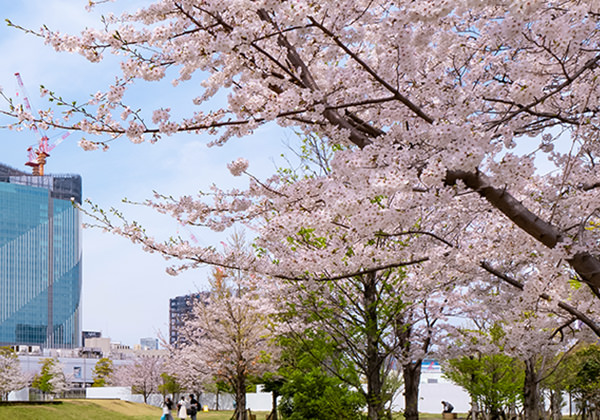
(584, 263)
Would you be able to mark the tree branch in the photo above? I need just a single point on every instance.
(401, 98)
(354, 274)
(564, 306)
(584, 263)
(590, 64)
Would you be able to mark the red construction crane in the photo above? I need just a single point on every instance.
(40, 151)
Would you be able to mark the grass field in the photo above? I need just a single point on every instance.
(120, 410)
(97, 410)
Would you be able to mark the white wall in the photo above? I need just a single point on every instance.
(109, 393)
(21, 395)
(259, 401)
(431, 395)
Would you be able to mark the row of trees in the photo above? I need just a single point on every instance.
(496, 382)
(426, 203)
(146, 375)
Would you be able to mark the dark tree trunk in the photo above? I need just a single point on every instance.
(412, 376)
(531, 393)
(240, 397)
(273, 415)
(375, 399)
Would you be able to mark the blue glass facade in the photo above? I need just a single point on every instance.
(40, 259)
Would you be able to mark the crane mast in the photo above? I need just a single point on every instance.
(40, 152)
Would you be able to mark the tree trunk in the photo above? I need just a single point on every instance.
(412, 376)
(273, 415)
(531, 393)
(375, 401)
(240, 397)
(474, 409)
(555, 405)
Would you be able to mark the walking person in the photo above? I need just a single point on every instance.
(167, 407)
(182, 408)
(194, 407)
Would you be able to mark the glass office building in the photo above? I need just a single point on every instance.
(40, 259)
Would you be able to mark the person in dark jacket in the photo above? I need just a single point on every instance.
(447, 407)
(194, 407)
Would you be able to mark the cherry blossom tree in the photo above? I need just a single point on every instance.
(11, 377)
(436, 108)
(143, 376)
(533, 330)
(440, 103)
(229, 337)
(379, 321)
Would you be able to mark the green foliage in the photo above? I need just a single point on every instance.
(315, 395)
(272, 382)
(169, 385)
(495, 381)
(7, 352)
(313, 154)
(309, 390)
(43, 380)
(102, 372)
(218, 386)
(587, 379)
(581, 377)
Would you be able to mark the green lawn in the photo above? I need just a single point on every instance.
(122, 410)
(98, 410)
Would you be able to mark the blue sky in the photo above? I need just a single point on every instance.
(125, 291)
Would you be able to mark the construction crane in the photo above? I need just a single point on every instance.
(40, 151)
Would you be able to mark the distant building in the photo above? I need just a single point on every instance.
(40, 259)
(99, 345)
(180, 307)
(89, 334)
(149, 343)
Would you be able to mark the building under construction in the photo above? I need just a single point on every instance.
(40, 259)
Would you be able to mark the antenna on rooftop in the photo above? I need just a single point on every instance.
(40, 151)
